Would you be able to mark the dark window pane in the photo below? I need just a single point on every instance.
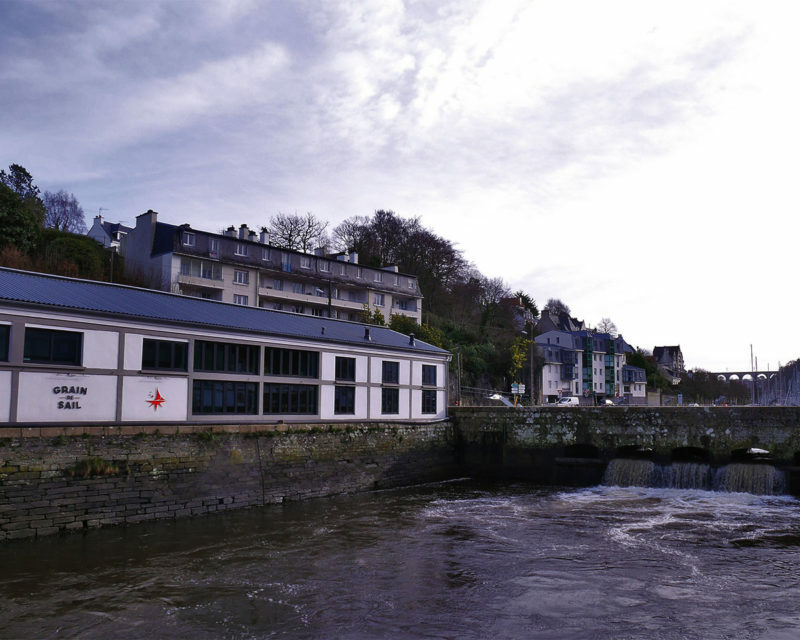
(391, 372)
(212, 397)
(429, 374)
(5, 332)
(344, 401)
(52, 346)
(291, 362)
(428, 401)
(390, 401)
(345, 368)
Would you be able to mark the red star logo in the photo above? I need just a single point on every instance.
(156, 401)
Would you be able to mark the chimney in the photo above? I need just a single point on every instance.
(243, 232)
(251, 236)
(354, 257)
(147, 221)
(264, 236)
(98, 219)
(230, 232)
(411, 341)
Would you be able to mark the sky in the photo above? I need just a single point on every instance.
(634, 159)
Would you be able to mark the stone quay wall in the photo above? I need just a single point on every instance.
(62, 479)
(553, 445)
(55, 479)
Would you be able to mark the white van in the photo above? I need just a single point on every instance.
(568, 401)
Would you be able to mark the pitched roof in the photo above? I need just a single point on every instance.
(112, 227)
(102, 298)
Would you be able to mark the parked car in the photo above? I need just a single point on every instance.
(568, 401)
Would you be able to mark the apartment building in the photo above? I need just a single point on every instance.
(242, 267)
(581, 363)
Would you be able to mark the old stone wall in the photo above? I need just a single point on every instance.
(71, 478)
(540, 443)
(718, 429)
(62, 480)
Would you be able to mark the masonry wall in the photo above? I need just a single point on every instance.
(54, 480)
(550, 444)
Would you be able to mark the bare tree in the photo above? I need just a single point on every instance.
(301, 233)
(493, 291)
(554, 305)
(351, 234)
(63, 212)
(607, 326)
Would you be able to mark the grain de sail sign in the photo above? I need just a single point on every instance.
(61, 397)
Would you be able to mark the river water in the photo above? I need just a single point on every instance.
(455, 560)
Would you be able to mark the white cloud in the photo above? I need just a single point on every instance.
(603, 153)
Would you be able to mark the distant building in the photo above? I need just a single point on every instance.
(634, 385)
(108, 234)
(242, 267)
(670, 362)
(549, 321)
(521, 315)
(581, 363)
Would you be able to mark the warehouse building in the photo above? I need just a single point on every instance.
(81, 352)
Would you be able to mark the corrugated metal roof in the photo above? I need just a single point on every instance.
(131, 302)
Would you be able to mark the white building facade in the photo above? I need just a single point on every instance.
(78, 352)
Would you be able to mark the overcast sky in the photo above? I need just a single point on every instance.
(635, 159)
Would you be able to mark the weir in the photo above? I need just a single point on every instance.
(680, 447)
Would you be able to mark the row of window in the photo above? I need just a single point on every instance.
(243, 250)
(216, 397)
(51, 346)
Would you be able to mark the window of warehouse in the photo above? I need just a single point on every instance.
(291, 398)
(291, 362)
(428, 401)
(215, 396)
(344, 402)
(345, 368)
(5, 333)
(390, 400)
(51, 346)
(227, 357)
(429, 375)
(164, 354)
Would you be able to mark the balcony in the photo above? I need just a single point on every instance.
(199, 281)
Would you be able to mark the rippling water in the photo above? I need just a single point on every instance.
(456, 560)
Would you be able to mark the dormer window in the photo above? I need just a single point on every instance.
(188, 239)
(241, 249)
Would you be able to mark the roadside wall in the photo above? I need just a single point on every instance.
(54, 480)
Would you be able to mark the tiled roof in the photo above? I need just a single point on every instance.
(130, 302)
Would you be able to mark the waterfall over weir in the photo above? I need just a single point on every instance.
(760, 479)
